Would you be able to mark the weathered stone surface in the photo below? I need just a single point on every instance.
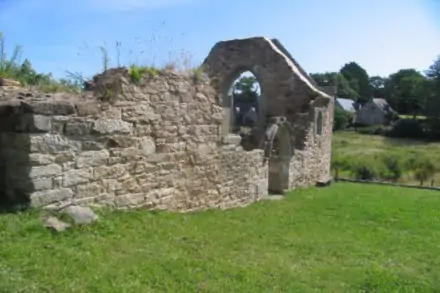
(109, 172)
(9, 82)
(33, 123)
(51, 143)
(42, 184)
(147, 146)
(44, 171)
(232, 139)
(77, 176)
(87, 108)
(81, 215)
(77, 128)
(112, 126)
(49, 108)
(55, 224)
(121, 141)
(43, 198)
(166, 142)
(90, 190)
(130, 200)
(92, 159)
(40, 159)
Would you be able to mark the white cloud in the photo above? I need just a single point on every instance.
(127, 5)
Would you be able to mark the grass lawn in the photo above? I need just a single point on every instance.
(352, 148)
(344, 238)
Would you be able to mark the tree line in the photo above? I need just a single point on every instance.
(408, 91)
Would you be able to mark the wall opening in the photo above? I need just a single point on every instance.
(279, 162)
(246, 108)
(319, 122)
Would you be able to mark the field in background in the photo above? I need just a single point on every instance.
(344, 238)
(352, 150)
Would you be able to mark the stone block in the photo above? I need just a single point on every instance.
(49, 107)
(130, 200)
(111, 185)
(77, 128)
(87, 109)
(156, 158)
(232, 139)
(55, 224)
(89, 190)
(81, 215)
(32, 123)
(89, 145)
(58, 123)
(131, 154)
(92, 158)
(52, 143)
(140, 167)
(64, 158)
(40, 159)
(112, 126)
(110, 172)
(42, 184)
(147, 146)
(76, 176)
(121, 141)
(43, 171)
(43, 198)
(129, 185)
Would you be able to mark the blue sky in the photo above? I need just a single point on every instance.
(381, 35)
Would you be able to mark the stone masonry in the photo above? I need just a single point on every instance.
(163, 142)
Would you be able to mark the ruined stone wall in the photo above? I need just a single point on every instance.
(157, 145)
(311, 162)
(164, 141)
(287, 92)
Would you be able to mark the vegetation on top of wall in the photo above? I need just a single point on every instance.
(12, 68)
(198, 73)
(137, 72)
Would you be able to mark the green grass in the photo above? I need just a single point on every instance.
(345, 238)
(352, 148)
(137, 72)
(418, 117)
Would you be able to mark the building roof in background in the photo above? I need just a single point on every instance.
(346, 104)
(382, 103)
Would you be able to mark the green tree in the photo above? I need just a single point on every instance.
(433, 101)
(246, 88)
(407, 90)
(377, 84)
(325, 79)
(338, 80)
(434, 71)
(342, 119)
(358, 80)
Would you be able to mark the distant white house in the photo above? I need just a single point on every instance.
(375, 112)
(345, 104)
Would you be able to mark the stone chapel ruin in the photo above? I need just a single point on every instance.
(165, 142)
